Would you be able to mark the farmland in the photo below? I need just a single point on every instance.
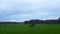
(26, 29)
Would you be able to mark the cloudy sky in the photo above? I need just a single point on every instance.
(21, 10)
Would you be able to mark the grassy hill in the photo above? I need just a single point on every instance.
(26, 29)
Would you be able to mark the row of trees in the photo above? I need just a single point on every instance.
(36, 21)
(56, 21)
(9, 22)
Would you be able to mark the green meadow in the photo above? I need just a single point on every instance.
(26, 29)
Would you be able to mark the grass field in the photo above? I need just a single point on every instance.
(26, 29)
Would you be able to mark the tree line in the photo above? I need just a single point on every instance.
(37, 21)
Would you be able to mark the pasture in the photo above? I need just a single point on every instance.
(26, 29)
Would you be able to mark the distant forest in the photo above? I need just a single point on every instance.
(36, 21)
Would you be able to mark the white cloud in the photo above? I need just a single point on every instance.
(28, 9)
(29, 4)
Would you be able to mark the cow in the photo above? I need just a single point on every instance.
(32, 25)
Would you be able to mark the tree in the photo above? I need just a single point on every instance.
(26, 22)
(59, 20)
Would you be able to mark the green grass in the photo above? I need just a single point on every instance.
(26, 29)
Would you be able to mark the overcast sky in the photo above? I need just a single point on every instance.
(21, 10)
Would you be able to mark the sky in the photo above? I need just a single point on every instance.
(22, 10)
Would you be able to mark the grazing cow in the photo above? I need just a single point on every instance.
(32, 25)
